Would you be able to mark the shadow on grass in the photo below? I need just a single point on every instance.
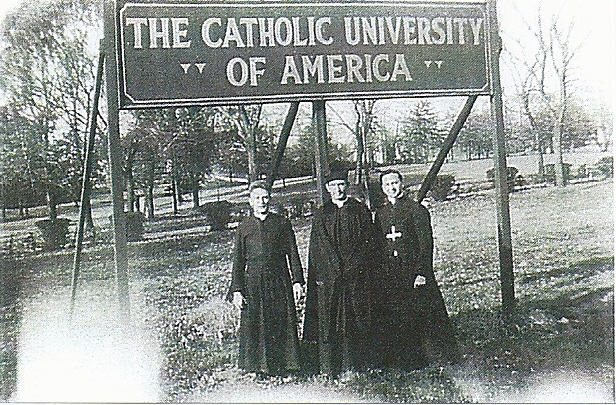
(569, 326)
(9, 325)
(579, 270)
(561, 329)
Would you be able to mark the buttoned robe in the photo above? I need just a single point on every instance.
(265, 264)
(338, 298)
(413, 322)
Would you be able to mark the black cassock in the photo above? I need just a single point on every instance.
(413, 322)
(338, 299)
(265, 264)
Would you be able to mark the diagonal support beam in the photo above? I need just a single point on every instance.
(272, 171)
(86, 185)
(449, 141)
(115, 159)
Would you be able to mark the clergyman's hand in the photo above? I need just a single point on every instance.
(419, 281)
(297, 291)
(238, 300)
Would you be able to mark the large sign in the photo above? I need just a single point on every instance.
(186, 53)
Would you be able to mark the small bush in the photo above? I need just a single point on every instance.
(54, 233)
(134, 226)
(513, 178)
(550, 172)
(535, 178)
(606, 166)
(218, 214)
(581, 172)
(442, 186)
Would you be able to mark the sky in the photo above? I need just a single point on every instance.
(8, 5)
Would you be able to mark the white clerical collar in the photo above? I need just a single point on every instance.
(340, 203)
(260, 216)
(393, 200)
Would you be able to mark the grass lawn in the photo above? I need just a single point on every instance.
(561, 345)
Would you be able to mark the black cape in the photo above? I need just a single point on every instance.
(338, 299)
(265, 264)
(414, 323)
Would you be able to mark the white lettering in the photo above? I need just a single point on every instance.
(290, 71)
(476, 27)
(311, 68)
(437, 27)
(352, 36)
(280, 22)
(205, 32)
(319, 30)
(375, 67)
(233, 34)
(163, 34)
(179, 33)
(243, 72)
(333, 69)
(400, 68)
(137, 23)
(409, 30)
(354, 63)
(249, 23)
(254, 71)
(460, 22)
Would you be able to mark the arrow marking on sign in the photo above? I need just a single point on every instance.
(439, 63)
(200, 66)
(428, 63)
(185, 66)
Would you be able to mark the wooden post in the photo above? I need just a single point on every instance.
(115, 159)
(449, 141)
(319, 124)
(272, 171)
(505, 249)
(86, 185)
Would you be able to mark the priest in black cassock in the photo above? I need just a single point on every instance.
(267, 280)
(337, 327)
(414, 322)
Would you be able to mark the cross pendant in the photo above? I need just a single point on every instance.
(393, 235)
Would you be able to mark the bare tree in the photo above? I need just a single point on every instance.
(247, 120)
(545, 80)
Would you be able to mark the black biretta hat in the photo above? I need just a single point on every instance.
(337, 171)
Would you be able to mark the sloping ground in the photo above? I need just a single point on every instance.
(184, 332)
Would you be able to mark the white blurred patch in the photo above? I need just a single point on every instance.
(88, 360)
(305, 393)
(568, 388)
(561, 387)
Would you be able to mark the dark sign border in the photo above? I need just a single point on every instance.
(127, 102)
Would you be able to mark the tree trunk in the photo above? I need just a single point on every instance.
(3, 203)
(89, 225)
(558, 166)
(559, 169)
(540, 162)
(174, 185)
(359, 138)
(252, 161)
(250, 141)
(174, 198)
(194, 185)
(52, 204)
(130, 188)
(150, 201)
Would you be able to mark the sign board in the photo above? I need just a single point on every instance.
(187, 53)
